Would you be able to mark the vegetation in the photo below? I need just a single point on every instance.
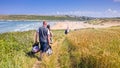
(14, 47)
(41, 17)
(86, 48)
(95, 48)
(104, 20)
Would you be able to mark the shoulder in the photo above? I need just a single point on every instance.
(39, 29)
(46, 29)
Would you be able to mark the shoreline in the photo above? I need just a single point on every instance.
(74, 25)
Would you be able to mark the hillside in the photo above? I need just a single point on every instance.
(43, 17)
(104, 20)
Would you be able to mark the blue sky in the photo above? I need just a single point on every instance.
(94, 8)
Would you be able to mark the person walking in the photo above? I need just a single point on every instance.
(51, 34)
(43, 35)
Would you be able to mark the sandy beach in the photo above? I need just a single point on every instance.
(80, 24)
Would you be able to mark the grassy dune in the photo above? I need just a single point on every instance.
(86, 48)
(101, 21)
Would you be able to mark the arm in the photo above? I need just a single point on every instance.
(51, 33)
(36, 35)
(48, 37)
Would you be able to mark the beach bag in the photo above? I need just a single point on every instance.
(49, 50)
(35, 47)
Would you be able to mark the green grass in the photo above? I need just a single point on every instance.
(14, 47)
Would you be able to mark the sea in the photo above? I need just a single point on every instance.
(14, 26)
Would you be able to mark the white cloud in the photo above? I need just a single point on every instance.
(116, 0)
(107, 13)
(80, 13)
(112, 11)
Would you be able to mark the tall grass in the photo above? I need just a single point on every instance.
(13, 49)
(95, 48)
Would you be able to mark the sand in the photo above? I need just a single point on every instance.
(80, 25)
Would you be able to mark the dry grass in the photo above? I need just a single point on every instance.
(95, 48)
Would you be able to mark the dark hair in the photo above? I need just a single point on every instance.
(48, 26)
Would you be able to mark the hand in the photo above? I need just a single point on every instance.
(49, 44)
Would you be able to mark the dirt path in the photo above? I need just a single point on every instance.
(37, 64)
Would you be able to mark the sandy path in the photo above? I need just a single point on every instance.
(79, 25)
(37, 64)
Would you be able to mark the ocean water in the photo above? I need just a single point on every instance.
(13, 26)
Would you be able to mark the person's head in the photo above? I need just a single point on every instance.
(44, 23)
(48, 26)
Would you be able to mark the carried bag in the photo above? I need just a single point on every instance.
(49, 50)
(35, 47)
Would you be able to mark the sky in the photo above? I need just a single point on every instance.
(92, 8)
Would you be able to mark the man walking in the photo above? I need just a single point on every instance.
(43, 35)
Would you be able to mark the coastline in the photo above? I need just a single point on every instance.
(62, 25)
